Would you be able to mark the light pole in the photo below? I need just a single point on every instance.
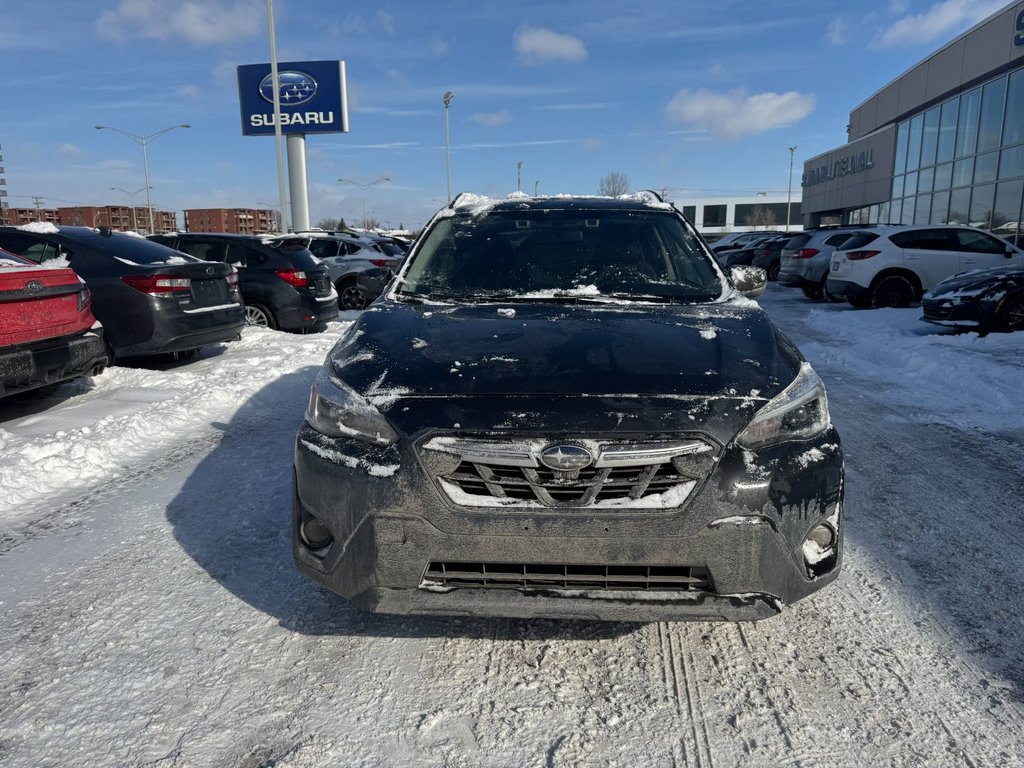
(519, 176)
(365, 187)
(145, 142)
(131, 202)
(447, 98)
(789, 189)
(536, 184)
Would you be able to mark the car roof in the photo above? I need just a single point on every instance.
(470, 203)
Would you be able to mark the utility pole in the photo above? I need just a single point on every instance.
(39, 207)
(789, 189)
(519, 176)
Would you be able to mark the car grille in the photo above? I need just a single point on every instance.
(651, 475)
(679, 578)
(936, 310)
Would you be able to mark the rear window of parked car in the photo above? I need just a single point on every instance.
(136, 250)
(796, 242)
(859, 240)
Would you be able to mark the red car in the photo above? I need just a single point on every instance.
(47, 332)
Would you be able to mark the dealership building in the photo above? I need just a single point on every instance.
(943, 143)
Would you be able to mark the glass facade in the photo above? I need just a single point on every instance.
(960, 162)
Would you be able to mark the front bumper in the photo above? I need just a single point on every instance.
(958, 314)
(51, 361)
(745, 524)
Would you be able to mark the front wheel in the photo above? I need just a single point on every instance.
(1013, 314)
(773, 271)
(893, 291)
(259, 316)
(349, 297)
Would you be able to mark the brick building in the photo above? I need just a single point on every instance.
(15, 217)
(235, 220)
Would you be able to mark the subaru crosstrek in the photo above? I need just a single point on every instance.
(562, 407)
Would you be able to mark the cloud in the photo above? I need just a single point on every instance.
(836, 31)
(945, 18)
(536, 44)
(736, 113)
(491, 119)
(210, 22)
(69, 150)
(593, 144)
(188, 92)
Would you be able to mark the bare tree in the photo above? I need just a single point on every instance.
(331, 223)
(761, 217)
(614, 184)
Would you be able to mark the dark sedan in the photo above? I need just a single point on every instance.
(983, 300)
(150, 299)
(563, 407)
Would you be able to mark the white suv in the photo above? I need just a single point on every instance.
(892, 266)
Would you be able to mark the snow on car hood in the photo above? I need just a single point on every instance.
(398, 351)
(977, 280)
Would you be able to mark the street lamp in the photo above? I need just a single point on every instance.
(447, 98)
(131, 202)
(364, 187)
(145, 141)
(789, 190)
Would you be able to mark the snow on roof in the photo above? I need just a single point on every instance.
(40, 228)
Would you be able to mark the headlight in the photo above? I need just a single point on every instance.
(337, 411)
(798, 412)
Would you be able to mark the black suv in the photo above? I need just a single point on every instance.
(283, 285)
(563, 407)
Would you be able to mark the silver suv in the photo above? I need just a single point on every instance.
(805, 260)
(345, 256)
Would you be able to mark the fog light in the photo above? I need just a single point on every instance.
(823, 536)
(314, 533)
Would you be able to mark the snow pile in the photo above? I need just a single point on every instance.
(96, 432)
(959, 379)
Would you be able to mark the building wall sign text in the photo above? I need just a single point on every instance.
(855, 163)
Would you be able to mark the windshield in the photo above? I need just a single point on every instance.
(549, 254)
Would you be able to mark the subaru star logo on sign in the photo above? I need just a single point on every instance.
(312, 95)
(296, 88)
(565, 458)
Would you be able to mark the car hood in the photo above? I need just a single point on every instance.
(977, 280)
(728, 350)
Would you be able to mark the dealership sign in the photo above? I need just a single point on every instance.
(312, 95)
(854, 163)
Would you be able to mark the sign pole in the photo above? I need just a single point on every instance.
(297, 184)
(277, 115)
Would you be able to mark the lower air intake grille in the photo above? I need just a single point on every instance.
(679, 578)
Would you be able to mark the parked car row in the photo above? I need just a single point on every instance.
(963, 276)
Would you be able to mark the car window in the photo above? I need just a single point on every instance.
(29, 247)
(545, 252)
(323, 248)
(837, 240)
(925, 240)
(859, 240)
(979, 242)
(298, 256)
(796, 242)
(253, 257)
(205, 250)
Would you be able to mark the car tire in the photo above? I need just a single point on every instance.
(773, 271)
(349, 297)
(894, 291)
(829, 296)
(1012, 316)
(259, 316)
(814, 292)
(860, 302)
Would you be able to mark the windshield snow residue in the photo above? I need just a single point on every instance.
(548, 254)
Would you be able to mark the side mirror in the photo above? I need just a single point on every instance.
(750, 281)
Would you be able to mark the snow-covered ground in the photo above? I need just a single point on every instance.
(150, 613)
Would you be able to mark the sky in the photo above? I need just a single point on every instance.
(701, 98)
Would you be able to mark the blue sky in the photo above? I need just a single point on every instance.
(701, 97)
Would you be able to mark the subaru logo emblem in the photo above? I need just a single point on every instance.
(565, 458)
(33, 286)
(295, 88)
